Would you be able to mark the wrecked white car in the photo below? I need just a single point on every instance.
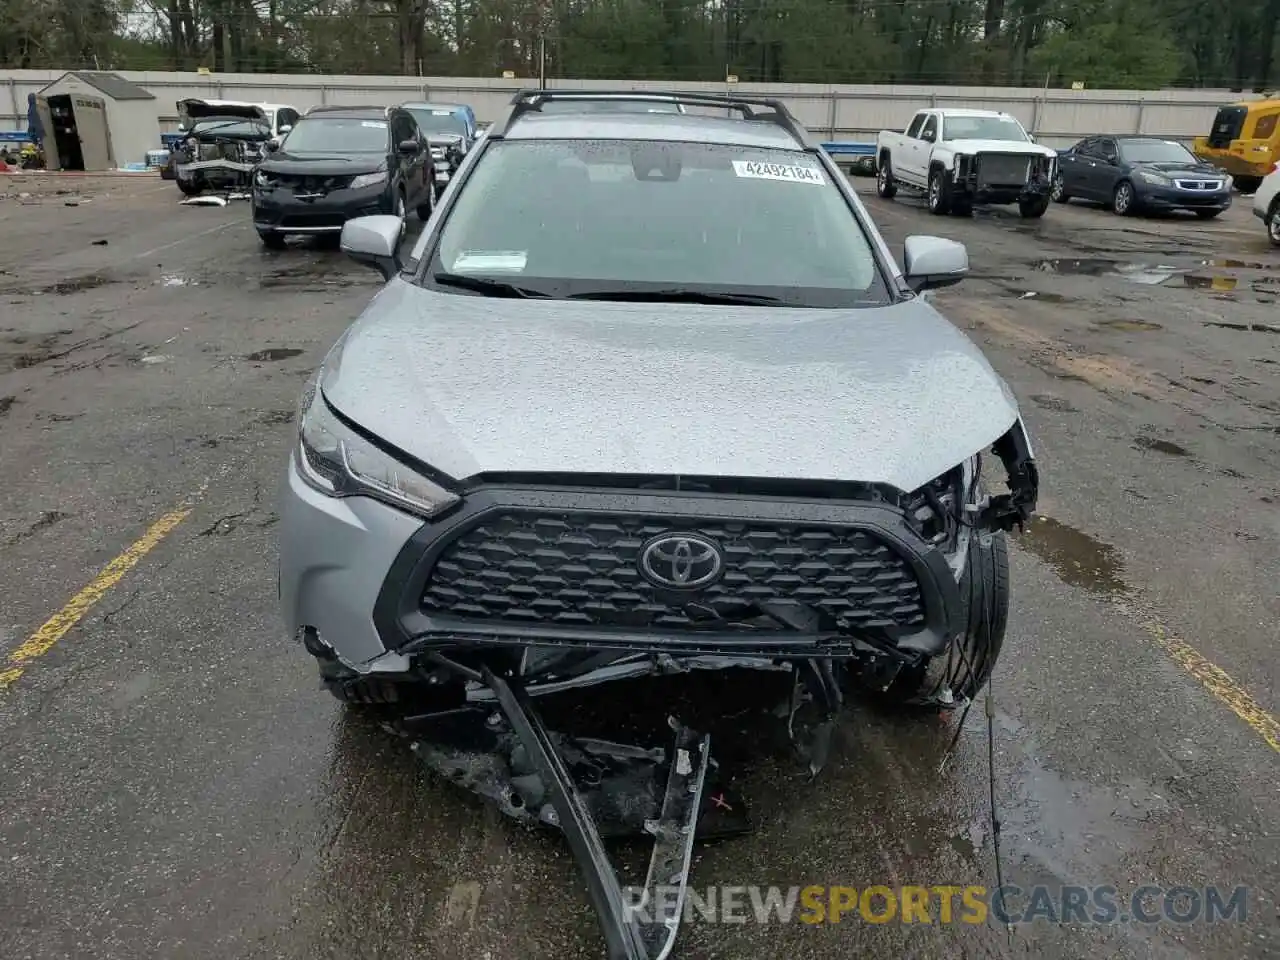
(222, 145)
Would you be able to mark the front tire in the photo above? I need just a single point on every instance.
(1247, 185)
(271, 240)
(1033, 208)
(1059, 191)
(965, 666)
(1124, 202)
(885, 185)
(939, 198)
(1273, 222)
(191, 188)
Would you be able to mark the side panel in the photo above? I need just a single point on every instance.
(91, 128)
(51, 158)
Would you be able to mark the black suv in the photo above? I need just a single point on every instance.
(338, 163)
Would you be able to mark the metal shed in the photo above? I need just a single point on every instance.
(97, 121)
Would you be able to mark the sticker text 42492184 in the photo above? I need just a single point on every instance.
(794, 173)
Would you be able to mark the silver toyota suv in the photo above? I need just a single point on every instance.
(651, 393)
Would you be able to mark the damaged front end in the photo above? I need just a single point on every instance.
(526, 586)
(221, 147)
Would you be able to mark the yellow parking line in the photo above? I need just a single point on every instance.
(57, 626)
(1218, 682)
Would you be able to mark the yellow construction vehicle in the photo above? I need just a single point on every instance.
(1244, 141)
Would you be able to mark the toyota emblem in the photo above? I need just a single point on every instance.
(681, 561)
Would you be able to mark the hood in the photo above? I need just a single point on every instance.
(470, 384)
(445, 140)
(1182, 168)
(196, 109)
(323, 165)
(1001, 146)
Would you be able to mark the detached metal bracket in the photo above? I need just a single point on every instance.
(644, 930)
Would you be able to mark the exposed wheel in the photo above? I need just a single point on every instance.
(885, 185)
(399, 206)
(271, 240)
(424, 209)
(965, 666)
(939, 198)
(1248, 185)
(1123, 201)
(1273, 222)
(1207, 214)
(191, 188)
(1059, 189)
(1033, 208)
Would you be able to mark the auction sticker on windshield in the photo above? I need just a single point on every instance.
(754, 170)
(374, 124)
(490, 261)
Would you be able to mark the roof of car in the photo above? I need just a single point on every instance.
(431, 105)
(966, 112)
(686, 128)
(354, 111)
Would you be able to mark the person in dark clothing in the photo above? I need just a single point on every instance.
(34, 131)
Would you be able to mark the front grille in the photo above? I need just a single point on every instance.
(1198, 184)
(314, 184)
(313, 220)
(582, 570)
(1002, 170)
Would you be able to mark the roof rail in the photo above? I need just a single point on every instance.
(759, 109)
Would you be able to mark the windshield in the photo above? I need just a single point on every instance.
(439, 121)
(585, 217)
(1156, 151)
(229, 127)
(608, 106)
(337, 135)
(983, 128)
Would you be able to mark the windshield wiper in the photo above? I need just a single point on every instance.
(677, 295)
(490, 288)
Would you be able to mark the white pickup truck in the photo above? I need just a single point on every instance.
(961, 157)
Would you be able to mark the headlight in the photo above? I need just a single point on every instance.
(262, 179)
(1154, 178)
(369, 179)
(338, 462)
(935, 511)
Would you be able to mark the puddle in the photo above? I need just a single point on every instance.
(63, 287)
(1131, 326)
(1077, 558)
(1038, 296)
(273, 354)
(1049, 402)
(1246, 327)
(1240, 264)
(1162, 446)
(1201, 282)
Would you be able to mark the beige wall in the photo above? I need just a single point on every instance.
(1059, 117)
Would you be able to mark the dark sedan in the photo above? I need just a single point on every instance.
(338, 163)
(1136, 174)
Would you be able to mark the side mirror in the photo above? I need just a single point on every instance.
(271, 146)
(285, 128)
(409, 148)
(375, 242)
(932, 262)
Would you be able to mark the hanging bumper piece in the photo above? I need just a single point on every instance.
(590, 790)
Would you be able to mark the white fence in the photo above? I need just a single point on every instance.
(835, 112)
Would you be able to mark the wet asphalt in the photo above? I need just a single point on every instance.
(174, 784)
